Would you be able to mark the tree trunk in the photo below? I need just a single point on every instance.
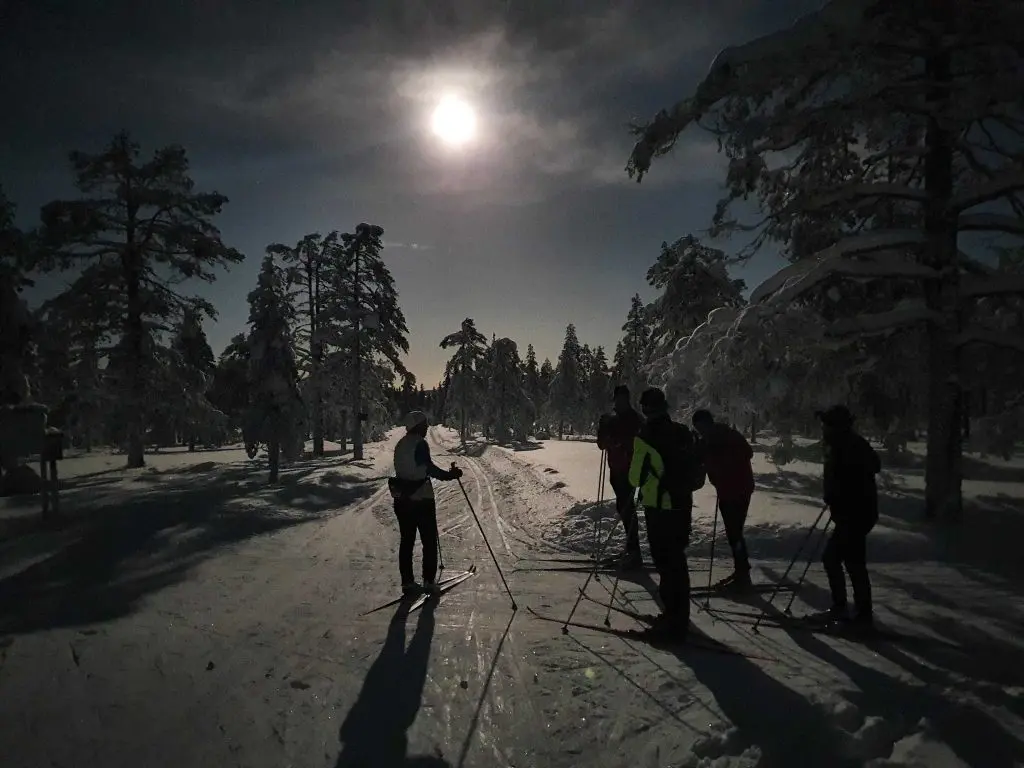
(274, 449)
(343, 432)
(943, 463)
(753, 429)
(134, 332)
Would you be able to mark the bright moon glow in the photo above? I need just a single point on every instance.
(454, 121)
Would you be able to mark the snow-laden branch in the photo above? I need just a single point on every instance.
(853, 192)
(791, 281)
(908, 312)
(999, 186)
(996, 284)
(812, 41)
(991, 222)
(991, 337)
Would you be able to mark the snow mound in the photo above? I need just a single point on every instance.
(920, 750)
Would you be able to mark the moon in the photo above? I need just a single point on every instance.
(454, 121)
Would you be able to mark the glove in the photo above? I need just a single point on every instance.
(456, 472)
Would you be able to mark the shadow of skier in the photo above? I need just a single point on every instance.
(782, 724)
(375, 731)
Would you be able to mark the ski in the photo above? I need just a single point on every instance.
(583, 567)
(404, 598)
(698, 642)
(580, 560)
(833, 629)
(645, 618)
(443, 587)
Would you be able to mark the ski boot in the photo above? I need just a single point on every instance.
(411, 589)
(630, 561)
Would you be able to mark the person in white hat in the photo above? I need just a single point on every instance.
(415, 507)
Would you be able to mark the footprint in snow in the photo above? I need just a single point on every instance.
(299, 685)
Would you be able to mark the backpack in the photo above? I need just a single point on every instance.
(684, 470)
(690, 466)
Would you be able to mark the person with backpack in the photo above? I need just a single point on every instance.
(415, 507)
(615, 435)
(852, 497)
(666, 469)
(726, 456)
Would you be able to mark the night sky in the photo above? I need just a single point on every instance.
(312, 116)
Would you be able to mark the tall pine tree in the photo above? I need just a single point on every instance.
(633, 351)
(507, 398)
(566, 401)
(139, 229)
(276, 408)
(193, 367)
(308, 270)
(470, 349)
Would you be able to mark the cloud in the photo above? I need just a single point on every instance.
(344, 90)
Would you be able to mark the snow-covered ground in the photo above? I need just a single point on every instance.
(188, 614)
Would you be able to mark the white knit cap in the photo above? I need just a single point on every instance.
(414, 419)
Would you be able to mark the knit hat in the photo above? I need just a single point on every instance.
(414, 419)
(835, 416)
(653, 401)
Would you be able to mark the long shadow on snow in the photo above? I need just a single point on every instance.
(118, 548)
(375, 731)
(787, 728)
(974, 736)
(984, 657)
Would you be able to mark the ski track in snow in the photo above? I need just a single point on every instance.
(253, 653)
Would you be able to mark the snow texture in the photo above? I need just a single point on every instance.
(188, 614)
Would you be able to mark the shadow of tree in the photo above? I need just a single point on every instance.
(117, 547)
(375, 731)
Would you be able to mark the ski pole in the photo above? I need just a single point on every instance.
(799, 549)
(591, 575)
(440, 557)
(600, 497)
(633, 529)
(810, 559)
(493, 557)
(711, 565)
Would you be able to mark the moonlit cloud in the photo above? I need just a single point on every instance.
(316, 116)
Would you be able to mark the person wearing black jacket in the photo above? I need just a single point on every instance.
(415, 507)
(665, 469)
(615, 435)
(852, 497)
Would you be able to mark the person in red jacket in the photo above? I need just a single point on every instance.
(726, 455)
(615, 434)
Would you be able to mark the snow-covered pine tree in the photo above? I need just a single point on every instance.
(142, 228)
(599, 387)
(586, 366)
(632, 353)
(566, 392)
(507, 399)
(934, 84)
(407, 394)
(276, 415)
(308, 270)
(693, 281)
(364, 294)
(531, 378)
(193, 367)
(470, 349)
(15, 320)
(230, 388)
